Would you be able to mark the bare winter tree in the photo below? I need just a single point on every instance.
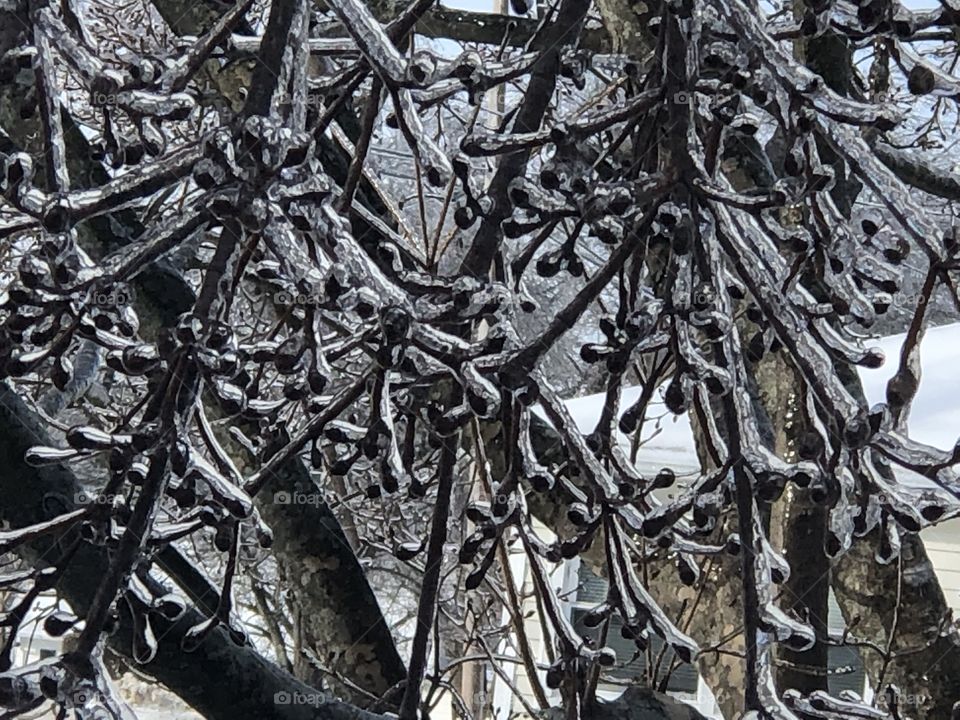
(252, 253)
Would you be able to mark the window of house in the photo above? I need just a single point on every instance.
(846, 671)
(631, 664)
(47, 653)
(846, 667)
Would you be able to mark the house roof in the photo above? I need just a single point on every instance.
(934, 418)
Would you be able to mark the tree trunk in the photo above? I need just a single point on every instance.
(220, 680)
(797, 529)
(925, 665)
(918, 629)
(341, 620)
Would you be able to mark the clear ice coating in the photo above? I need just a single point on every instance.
(667, 221)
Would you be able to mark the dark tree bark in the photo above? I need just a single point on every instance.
(798, 526)
(339, 616)
(901, 606)
(220, 679)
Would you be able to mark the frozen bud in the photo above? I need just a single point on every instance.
(554, 676)
(898, 252)
(550, 178)
(921, 80)
(607, 657)
(467, 65)
(464, 216)
(872, 358)
(59, 623)
(687, 571)
(674, 397)
(664, 479)
(208, 174)
(407, 551)
(579, 514)
(396, 324)
(421, 67)
(856, 432)
(595, 616)
(541, 482)
(61, 373)
(871, 222)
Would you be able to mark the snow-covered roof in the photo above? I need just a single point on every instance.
(667, 440)
(934, 419)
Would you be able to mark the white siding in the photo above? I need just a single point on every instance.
(943, 548)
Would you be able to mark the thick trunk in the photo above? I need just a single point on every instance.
(220, 679)
(717, 625)
(901, 606)
(798, 529)
(636, 703)
(340, 619)
(806, 592)
(626, 23)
